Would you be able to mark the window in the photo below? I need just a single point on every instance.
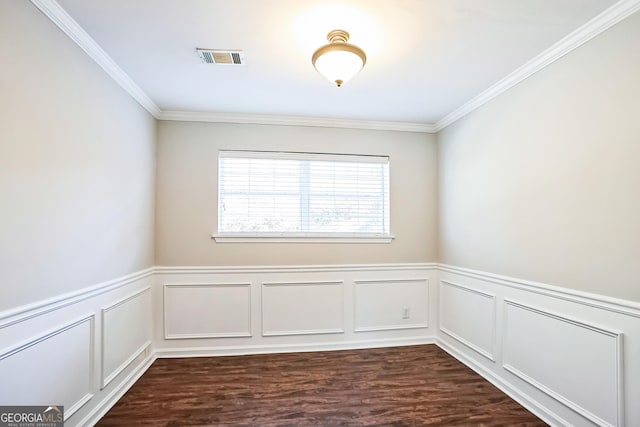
(301, 195)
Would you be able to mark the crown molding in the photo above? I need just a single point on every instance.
(263, 119)
(71, 28)
(575, 39)
(611, 16)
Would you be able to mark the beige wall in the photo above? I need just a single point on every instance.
(186, 202)
(76, 166)
(543, 182)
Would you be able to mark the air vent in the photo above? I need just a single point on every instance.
(221, 57)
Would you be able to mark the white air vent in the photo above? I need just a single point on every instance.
(222, 57)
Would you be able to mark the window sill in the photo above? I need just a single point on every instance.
(306, 238)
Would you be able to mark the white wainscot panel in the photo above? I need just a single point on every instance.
(302, 308)
(391, 304)
(63, 377)
(207, 310)
(576, 363)
(126, 332)
(469, 316)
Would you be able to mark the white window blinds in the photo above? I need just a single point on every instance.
(301, 194)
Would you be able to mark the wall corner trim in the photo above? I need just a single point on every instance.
(573, 40)
(71, 28)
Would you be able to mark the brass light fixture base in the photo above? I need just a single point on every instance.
(338, 36)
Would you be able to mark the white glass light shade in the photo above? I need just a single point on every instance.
(339, 61)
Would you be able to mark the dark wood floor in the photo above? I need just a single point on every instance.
(418, 385)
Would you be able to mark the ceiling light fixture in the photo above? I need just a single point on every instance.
(338, 61)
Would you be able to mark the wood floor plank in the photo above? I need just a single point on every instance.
(398, 386)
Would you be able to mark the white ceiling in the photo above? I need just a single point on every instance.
(425, 58)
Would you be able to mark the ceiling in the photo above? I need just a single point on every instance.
(425, 58)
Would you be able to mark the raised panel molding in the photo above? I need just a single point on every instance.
(388, 298)
(139, 322)
(594, 360)
(470, 321)
(211, 310)
(51, 386)
(302, 308)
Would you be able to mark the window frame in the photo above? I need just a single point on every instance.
(302, 237)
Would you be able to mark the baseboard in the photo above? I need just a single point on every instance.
(289, 348)
(510, 390)
(114, 396)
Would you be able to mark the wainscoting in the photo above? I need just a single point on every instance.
(571, 358)
(478, 332)
(206, 310)
(212, 311)
(82, 350)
